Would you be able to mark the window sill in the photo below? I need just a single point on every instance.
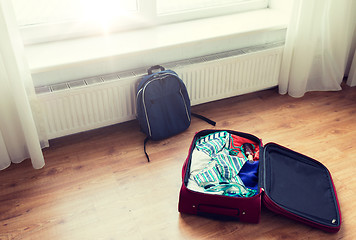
(61, 61)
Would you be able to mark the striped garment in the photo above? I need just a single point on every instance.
(221, 174)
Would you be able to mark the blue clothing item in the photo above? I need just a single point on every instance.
(249, 175)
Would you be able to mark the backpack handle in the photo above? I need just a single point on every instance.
(154, 68)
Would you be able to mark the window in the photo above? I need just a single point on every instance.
(37, 12)
(48, 20)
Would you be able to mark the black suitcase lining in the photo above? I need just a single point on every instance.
(300, 185)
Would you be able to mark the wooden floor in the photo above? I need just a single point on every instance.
(98, 185)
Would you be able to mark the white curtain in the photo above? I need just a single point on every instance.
(317, 46)
(19, 139)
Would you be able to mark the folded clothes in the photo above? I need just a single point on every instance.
(224, 169)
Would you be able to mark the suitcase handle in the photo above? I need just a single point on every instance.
(155, 67)
(219, 210)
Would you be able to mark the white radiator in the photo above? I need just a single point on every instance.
(91, 103)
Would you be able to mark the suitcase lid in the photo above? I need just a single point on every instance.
(298, 187)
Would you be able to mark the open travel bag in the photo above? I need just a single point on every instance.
(219, 177)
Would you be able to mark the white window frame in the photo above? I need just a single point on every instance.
(212, 11)
(147, 10)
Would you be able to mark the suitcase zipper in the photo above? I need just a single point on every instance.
(270, 204)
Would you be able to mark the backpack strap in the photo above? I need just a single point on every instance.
(193, 114)
(204, 118)
(144, 148)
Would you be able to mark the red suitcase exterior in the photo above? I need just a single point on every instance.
(289, 183)
(191, 202)
(244, 209)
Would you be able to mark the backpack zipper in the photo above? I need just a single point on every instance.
(185, 104)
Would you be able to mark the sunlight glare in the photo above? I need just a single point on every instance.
(105, 12)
